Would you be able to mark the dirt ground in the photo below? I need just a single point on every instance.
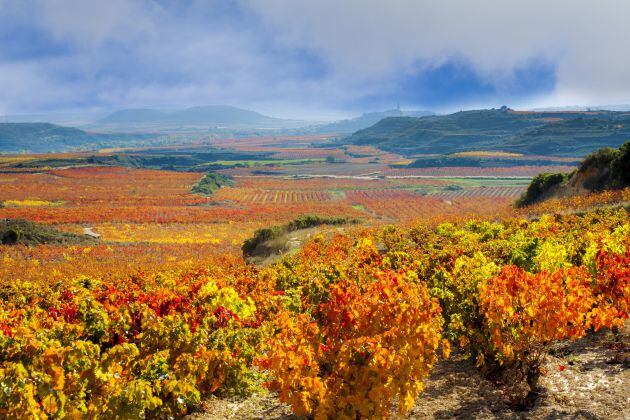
(586, 379)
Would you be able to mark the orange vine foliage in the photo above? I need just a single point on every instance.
(525, 313)
(612, 288)
(372, 339)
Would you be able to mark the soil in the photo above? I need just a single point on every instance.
(585, 379)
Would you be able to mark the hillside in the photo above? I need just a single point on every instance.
(41, 137)
(602, 170)
(366, 120)
(45, 138)
(578, 136)
(550, 133)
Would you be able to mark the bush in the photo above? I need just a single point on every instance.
(308, 221)
(601, 158)
(11, 236)
(18, 231)
(303, 222)
(372, 341)
(612, 289)
(540, 185)
(457, 291)
(210, 183)
(261, 236)
(620, 167)
(525, 313)
(139, 347)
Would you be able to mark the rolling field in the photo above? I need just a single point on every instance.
(101, 195)
(403, 206)
(149, 218)
(515, 171)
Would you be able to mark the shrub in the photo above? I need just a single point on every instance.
(14, 231)
(601, 158)
(11, 236)
(261, 236)
(303, 222)
(308, 221)
(138, 347)
(372, 339)
(210, 183)
(524, 313)
(540, 185)
(612, 288)
(457, 290)
(620, 167)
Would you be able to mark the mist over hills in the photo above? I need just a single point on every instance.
(617, 107)
(197, 117)
(367, 119)
(409, 133)
(212, 114)
(91, 130)
(222, 116)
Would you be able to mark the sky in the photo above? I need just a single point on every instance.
(312, 59)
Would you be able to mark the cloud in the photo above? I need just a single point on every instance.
(583, 40)
(91, 23)
(282, 56)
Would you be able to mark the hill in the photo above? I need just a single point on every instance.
(604, 169)
(366, 120)
(550, 133)
(46, 138)
(575, 136)
(204, 116)
(41, 137)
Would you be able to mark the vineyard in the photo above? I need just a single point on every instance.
(405, 206)
(349, 326)
(514, 171)
(251, 196)
(511, 192)
(314, 210)
(101, 195)
(161, 315)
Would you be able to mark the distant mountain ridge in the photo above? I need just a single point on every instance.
(212, 115)
(564, 133)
